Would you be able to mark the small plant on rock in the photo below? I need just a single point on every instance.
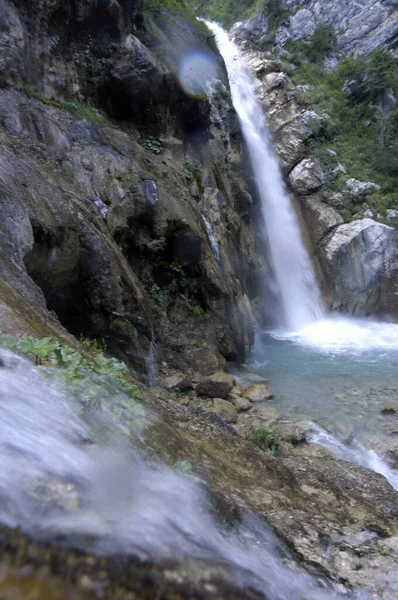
(266, 438)
(152, 144)
(184, 467)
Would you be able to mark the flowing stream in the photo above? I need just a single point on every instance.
(337, 370)
(64, 473)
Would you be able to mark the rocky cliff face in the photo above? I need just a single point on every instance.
(356, 256)
(360, 27)
(123, 207)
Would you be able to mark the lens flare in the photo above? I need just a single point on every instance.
(197, 68)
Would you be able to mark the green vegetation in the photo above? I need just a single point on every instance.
(315, 48)
(144, 241)
(91, 381)
(184, 467)
(163, 18)
(358, 124)
(230, 11)
(152, 144)
(80, 110)
(197, 174)
(266, 438)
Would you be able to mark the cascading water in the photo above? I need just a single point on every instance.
(61, 474)
(298, 292)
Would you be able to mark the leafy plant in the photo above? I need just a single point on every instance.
(266, 438)
(145, 241)
(152, 144)
(90, 381)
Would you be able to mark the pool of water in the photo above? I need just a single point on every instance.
(337, 372)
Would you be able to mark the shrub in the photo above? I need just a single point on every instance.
(266, 438)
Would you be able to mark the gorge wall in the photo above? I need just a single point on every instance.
(124, 207)
(327, 78)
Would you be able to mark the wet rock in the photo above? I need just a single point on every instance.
(241, 404)
(137, 74)
(307, 176)
(218, 385)
(315, 451)
(389, 409)
(12, 44)
(296, 433)
(257, 392)
(225, 410)
(178, 381)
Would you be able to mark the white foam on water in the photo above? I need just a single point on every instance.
(355, 452)
(342, 334)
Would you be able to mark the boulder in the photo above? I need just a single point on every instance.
(241, 404)
(361, 189)
(321, 217)
(388, 409)
(178, 381)
(296, 433)
(258, 392)
(307, 176)
(137, 74)
(225, 410)
(218, 385)
(361, 259)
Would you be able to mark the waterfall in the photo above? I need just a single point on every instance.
(298, 294)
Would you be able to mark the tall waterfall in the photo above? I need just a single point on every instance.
(298, 293)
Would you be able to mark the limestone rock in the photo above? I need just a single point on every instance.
(178, 381)
(307, 176)
(321, 217)
(257, 392)
(218, 385)
(361, 188)
(360, 27)
(241, 404)
(362, 261)
(296, 433)
(225, 410)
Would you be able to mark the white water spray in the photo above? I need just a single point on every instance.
(355, 452)
(56, 478)
(298, 292)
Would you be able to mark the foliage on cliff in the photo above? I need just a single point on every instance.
(359, 101)
(228, 12)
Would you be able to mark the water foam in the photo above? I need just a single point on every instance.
(355, 452)
(344, 335)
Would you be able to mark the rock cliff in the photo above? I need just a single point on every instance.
(124, 210)
(320, 152)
